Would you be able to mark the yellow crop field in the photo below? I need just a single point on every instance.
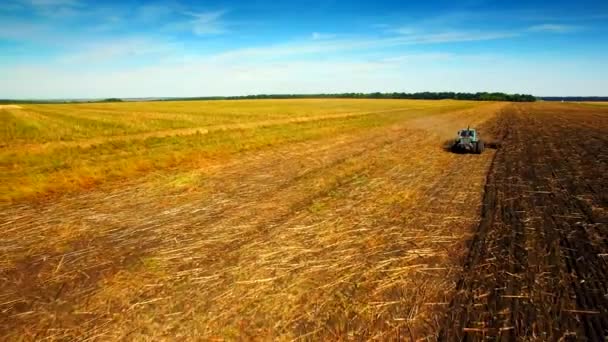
(595, 103)
(235, 219)
(50, 149)
(318, 219)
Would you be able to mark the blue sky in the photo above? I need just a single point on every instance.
(96, 49)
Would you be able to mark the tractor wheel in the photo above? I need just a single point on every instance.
(479, 147)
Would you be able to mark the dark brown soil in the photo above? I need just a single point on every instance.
(537, 268)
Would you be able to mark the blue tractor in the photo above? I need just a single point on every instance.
(468, 141)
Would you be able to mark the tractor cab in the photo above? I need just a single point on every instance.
(468, 140)
(468, 134)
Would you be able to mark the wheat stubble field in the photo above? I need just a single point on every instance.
(301, 219)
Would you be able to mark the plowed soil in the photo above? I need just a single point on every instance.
(537, 268)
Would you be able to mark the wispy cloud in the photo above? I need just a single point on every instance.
(36, 6)
(55, 8)
(380, 26)
(512, 23)
(418, 57)
(51, 3)
(309, 48)
(207, 23)
(152, 12)
(412, 35)
(554, 28)
(443, 29)
(321, 36)
(24, 31)
(405, 30)
(449, 37)
(118, 49)
(503, 18)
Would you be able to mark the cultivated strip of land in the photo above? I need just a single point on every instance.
(538, 266)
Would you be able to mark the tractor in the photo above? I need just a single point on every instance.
(468, 140)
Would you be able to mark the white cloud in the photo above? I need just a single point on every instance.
(419, 57)
(317, 46)
(116, 49)
(554, 28)
(207, 23)
(453, 37)
(289, 49)
(408, 35)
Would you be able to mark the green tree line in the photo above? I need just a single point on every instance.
(481, 96)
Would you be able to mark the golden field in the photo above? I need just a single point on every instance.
(596, 103)
(266, 219)
(56, 148)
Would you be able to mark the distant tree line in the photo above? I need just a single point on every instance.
(575, 98)
(6, 101)
(481, 96)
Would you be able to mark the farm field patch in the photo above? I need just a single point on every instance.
(355, 228)
(538, 267)
(50, 149)
(599, 103)
(337, 223)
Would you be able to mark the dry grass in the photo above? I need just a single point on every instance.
(596, 102)
(29, 124)
(354, 232)
(50, 149)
